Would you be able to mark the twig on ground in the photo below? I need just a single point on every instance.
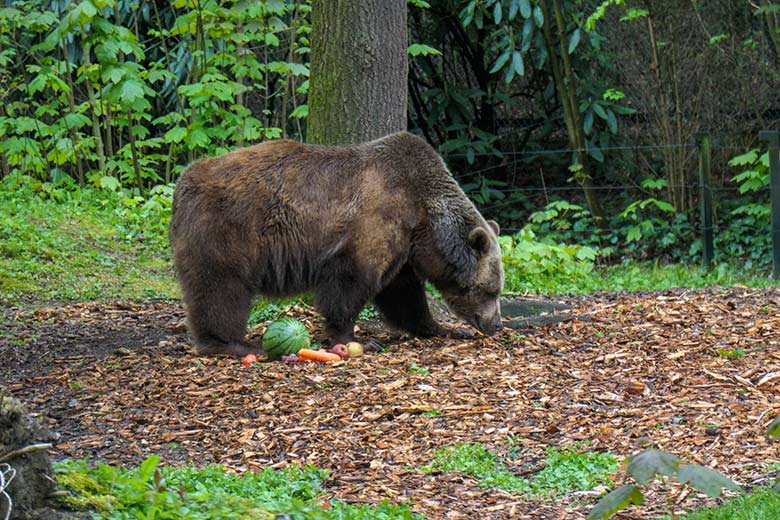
(27, 449)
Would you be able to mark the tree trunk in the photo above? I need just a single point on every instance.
(563, 76)
(93, 104)
(359, 69)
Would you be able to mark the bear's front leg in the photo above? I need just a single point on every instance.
(341, 294)
(404, 305)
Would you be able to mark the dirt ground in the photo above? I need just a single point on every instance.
(695, 373)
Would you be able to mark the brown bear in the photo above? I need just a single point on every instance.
(351, 224)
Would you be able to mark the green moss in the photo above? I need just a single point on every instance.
(85, 492)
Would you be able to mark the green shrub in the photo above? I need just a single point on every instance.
(542, 265)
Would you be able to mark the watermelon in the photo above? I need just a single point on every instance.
(285, 336)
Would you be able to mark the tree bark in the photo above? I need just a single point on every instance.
(359, 69)
(563, 76)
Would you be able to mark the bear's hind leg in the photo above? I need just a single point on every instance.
(404, 305)
(217, 314)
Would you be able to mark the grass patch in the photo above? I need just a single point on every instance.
(762, 505)
(206, 493)
(88, 245)
(476, 460)
(565, 470)
(568, 470)
(646, 276)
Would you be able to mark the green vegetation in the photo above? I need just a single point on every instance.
(568, 470)
(645, 467)
(731, 353)
(565, 470)
(477, 461)
(761, 505)
(206, 493)
(416, 369)
(82, 244)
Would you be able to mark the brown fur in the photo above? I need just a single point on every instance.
(352, 224)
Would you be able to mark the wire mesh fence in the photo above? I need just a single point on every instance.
(519, 184)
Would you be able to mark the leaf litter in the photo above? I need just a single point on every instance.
(119, 382)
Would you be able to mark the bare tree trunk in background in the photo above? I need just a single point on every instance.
(668, 116)
(359, 69)
(563, 76)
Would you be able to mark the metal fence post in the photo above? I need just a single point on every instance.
(772, 138)
(708, 248)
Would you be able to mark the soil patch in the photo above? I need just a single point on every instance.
(695, 373)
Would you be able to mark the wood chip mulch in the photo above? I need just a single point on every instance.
(118, 381)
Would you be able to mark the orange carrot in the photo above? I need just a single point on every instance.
(318, 355)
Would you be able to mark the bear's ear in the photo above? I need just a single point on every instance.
(494, 226)
(479, 239)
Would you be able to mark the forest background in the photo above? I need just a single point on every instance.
(571, 122)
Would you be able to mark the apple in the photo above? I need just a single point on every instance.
(341, 350)
(355, 349)
(249, 359)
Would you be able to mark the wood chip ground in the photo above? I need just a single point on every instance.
(118, 381)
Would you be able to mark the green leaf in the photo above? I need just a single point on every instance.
(599, 110)
(467, 14)
(198, 138)
(497, 13)
(420, 49)
(643, 467)
(517, 63)
(595, 152)
(612, 121)
(744, 159)
(110, 183)
(146, 470)
(774, 428)
(574, 40)
(501, 61)
(37, 84)
(765, 9)
(654, 184)
(616, 500)
(525, 8)
(612, 94)
(634, 234)
(131, 91)
(538, 16)
(514, 6)
(587, 122)
(707, 480)
(75, 120)
(633, 14)
(113, 74)
(624, 111)
(175, 134)
(663, 206)
(300, 112)
(510, 74)
(527, 35)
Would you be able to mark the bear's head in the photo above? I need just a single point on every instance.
(474, 293)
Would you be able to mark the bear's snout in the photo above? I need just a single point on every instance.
(489, 326)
